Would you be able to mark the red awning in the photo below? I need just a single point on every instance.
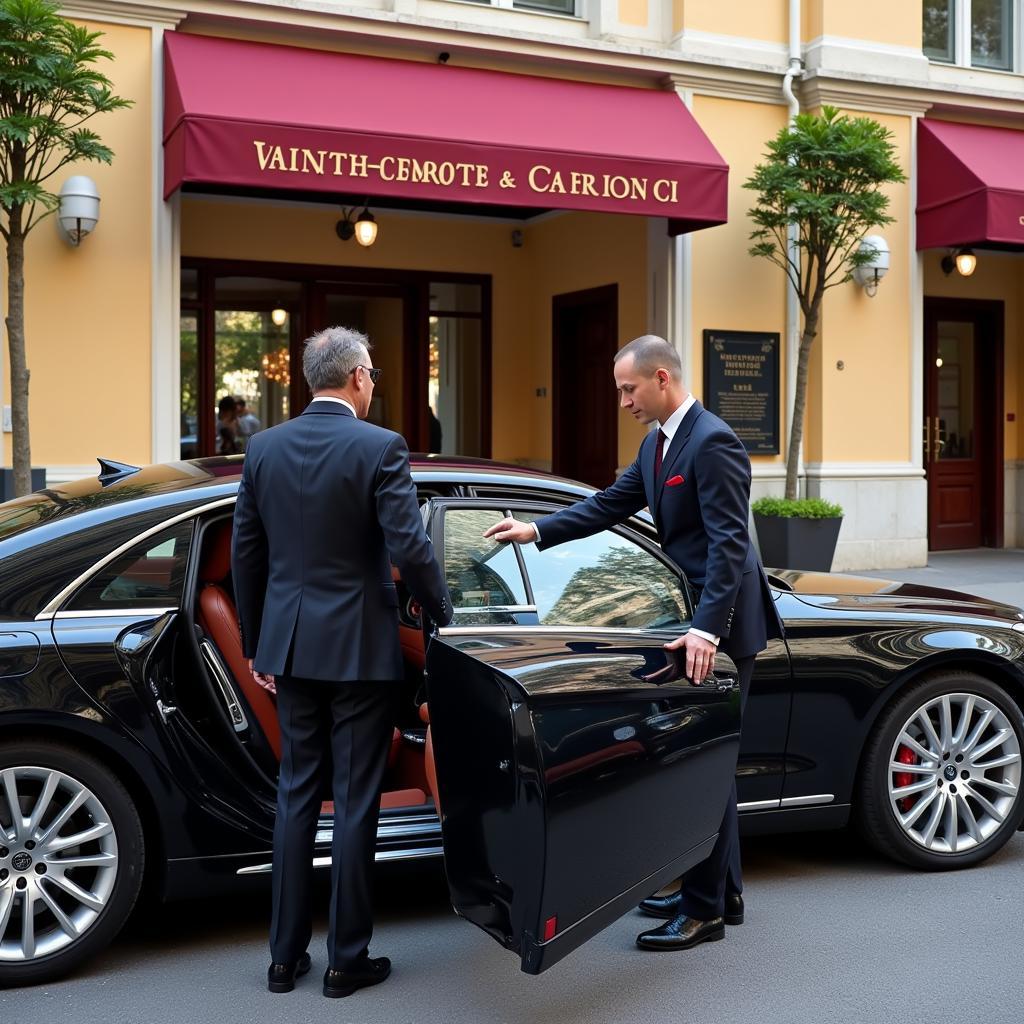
(261, 116)
(970, 185)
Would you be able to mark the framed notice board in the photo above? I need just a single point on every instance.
(741, 385)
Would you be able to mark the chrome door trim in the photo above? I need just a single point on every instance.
(415, 853)
(758, 805)
(812, 800)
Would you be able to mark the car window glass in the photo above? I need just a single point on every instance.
(149, 575)
(481, 574)
(603, 580)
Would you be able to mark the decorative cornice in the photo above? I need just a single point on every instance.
(118, 13)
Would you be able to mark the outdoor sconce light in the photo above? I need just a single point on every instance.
(364, 228)
(278, 316)
(867, 275)
(78, 209)
(963, 261)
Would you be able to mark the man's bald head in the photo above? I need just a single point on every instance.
(650, 354)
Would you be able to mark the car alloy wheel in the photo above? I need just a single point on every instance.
(70, 860)
(954, 773)
(58, 861)
(941, 773)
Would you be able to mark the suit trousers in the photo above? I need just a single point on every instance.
(348, 725)
(704, 886)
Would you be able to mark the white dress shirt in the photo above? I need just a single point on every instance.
(340, 401)
(668, 428)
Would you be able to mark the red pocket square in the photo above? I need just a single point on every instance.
(674, 481)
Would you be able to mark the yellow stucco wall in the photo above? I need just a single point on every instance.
(999, 277)
(880, 21)
(732, 290)
(634, 12)
(580, 251)
(87, 310)
(753, 19)
(566, 252)
(871, 336)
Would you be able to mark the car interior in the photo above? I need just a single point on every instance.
(409, 781)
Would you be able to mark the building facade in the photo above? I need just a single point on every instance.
(548, 180)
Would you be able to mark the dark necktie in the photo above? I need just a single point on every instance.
(659, 454)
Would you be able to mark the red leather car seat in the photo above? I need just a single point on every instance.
(218, 618)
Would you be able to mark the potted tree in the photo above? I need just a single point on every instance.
(823, 174)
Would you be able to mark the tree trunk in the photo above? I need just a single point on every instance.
(16, 342)
(800, 395)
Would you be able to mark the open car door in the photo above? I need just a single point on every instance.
(577, 771)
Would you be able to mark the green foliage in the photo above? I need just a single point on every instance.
(824, 173)
(797, 508)
(48, 90)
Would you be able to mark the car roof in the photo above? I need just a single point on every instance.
(198, 480)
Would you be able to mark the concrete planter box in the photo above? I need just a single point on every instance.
(7, 482)
(787, 542)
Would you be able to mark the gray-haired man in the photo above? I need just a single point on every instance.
(324, 500)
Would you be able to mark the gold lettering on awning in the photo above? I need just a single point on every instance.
(455, 174)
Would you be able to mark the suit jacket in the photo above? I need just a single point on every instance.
(324, 499)
(702, 525)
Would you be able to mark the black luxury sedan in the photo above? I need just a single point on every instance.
(574, 769)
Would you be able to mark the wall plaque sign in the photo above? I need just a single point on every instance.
(741, 385)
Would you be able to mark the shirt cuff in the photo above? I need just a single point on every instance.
(707, 636)
(536, 533)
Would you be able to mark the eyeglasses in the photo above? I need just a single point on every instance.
(373, 372)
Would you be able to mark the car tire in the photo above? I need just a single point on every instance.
(958, 812)
(77, 908)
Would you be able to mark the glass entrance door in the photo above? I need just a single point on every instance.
(384, 314)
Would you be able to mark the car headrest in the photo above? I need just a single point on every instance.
(217, 556)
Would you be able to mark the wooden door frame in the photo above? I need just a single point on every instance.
(609, 294)
(989, 314)
(309, 276)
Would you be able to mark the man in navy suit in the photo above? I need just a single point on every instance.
(694, 475)
(325, 499)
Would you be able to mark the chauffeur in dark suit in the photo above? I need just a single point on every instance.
(325, 498)
(694, 475)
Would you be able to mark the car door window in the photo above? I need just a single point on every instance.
(603, 580)
(484, 578)
(149, 575)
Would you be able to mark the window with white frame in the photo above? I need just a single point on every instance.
(972, 33)
(569, 7)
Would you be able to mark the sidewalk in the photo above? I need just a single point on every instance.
(988, 572)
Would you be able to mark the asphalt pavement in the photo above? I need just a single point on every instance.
(833, 934)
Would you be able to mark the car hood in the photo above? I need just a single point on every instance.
(864, 593)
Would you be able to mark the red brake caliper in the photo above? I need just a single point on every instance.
(905, 756)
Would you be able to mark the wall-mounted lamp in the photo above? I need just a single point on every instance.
(364, 227)
(78, 209)
(868, 274)
(278, 316)
(963, 261)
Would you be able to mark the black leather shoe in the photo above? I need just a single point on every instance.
(371, 971)
(668, 907)
(733, 908)
(281, 977)
(682, 933)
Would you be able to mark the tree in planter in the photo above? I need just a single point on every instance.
(48, 90)
(824, 173)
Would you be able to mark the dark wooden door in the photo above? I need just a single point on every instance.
(963, 410)
(585, 412)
